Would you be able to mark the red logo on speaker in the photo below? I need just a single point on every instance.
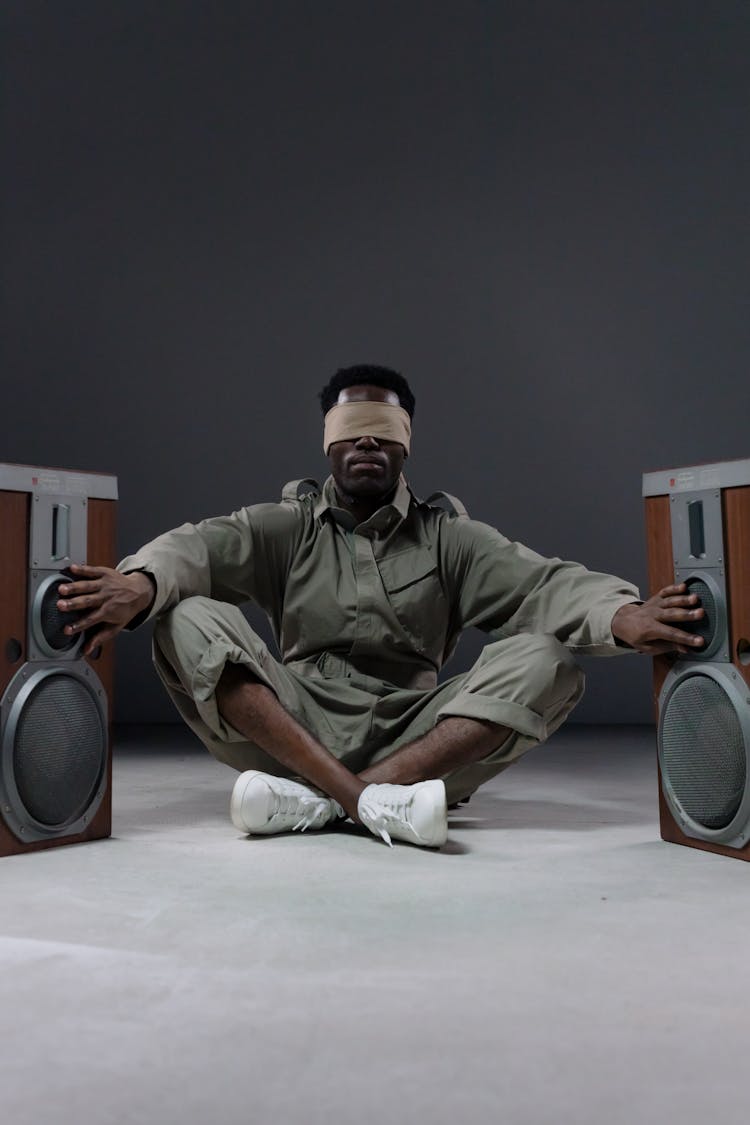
(671, 482)
(35, 480)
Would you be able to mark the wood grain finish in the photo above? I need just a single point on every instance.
(14, 579)
(14, 576)
(673, 835)
(736, 514)
(100, 827)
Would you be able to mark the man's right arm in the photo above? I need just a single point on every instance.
(173, 566)
(232, 558)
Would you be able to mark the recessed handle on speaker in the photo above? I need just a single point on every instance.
(60, 531)
(696, 529)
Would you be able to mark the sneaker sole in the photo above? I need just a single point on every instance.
(440, 836)
(238, 796)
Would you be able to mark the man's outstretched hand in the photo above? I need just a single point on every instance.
(107, 599)
(651, 627)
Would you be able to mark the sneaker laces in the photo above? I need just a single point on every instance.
(316, 810)
(379, 816)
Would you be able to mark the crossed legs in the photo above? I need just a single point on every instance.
(253, 709)
(469, 729)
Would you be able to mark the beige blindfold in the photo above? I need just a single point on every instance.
(382, 420)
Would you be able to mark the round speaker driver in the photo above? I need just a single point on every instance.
(48, 622)
(54, 753)
(703, 626)
(703, 751)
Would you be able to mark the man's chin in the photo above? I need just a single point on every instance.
(365, 488)
(368, 488)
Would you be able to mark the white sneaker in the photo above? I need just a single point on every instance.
(262, 804)
(415, 813)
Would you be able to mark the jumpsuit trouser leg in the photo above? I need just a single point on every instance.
(528, 682)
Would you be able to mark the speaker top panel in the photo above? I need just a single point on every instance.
(695, 478)
(60, 482)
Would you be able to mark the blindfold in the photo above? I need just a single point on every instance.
(382, 420)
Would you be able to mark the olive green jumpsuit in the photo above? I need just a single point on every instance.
(365, 615)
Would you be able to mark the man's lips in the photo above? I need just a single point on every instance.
(371, 462)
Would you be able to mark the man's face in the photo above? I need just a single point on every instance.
(366, 467)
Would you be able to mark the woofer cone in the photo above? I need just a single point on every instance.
(54, 750)
(704, 737)
(48, 622)
(713, 625)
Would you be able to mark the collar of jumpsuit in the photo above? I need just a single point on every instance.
(389, 514)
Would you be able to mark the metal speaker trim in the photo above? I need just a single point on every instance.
(13, 811)
(39, 643)
(737, 832)
(718, 649)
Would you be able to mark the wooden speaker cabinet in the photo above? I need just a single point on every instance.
(698, 532)
(55, 705)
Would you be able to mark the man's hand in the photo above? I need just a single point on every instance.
(113, 600)
(648, 627)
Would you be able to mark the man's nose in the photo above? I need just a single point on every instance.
(367, 442)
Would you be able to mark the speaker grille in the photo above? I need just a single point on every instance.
(704, 626)
(703, 751)
(59, 750)
(52, 622)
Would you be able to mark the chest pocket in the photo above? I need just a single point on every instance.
(412, 584)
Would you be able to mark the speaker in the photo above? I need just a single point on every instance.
(55, 705)
(698, 532)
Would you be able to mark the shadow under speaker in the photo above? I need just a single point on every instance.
(698, 532)
(55, 705)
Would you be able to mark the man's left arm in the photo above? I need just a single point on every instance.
(505, 588)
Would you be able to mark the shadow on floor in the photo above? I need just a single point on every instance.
(504, 812)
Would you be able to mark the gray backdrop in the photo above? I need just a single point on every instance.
(537, 211)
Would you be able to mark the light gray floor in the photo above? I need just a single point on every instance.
(555, 962)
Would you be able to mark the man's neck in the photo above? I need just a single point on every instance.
(362, 507)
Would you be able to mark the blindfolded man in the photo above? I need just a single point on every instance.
(367, 589)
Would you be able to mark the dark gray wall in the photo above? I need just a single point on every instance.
(537, 211)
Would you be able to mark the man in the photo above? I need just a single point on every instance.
(367, 589)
